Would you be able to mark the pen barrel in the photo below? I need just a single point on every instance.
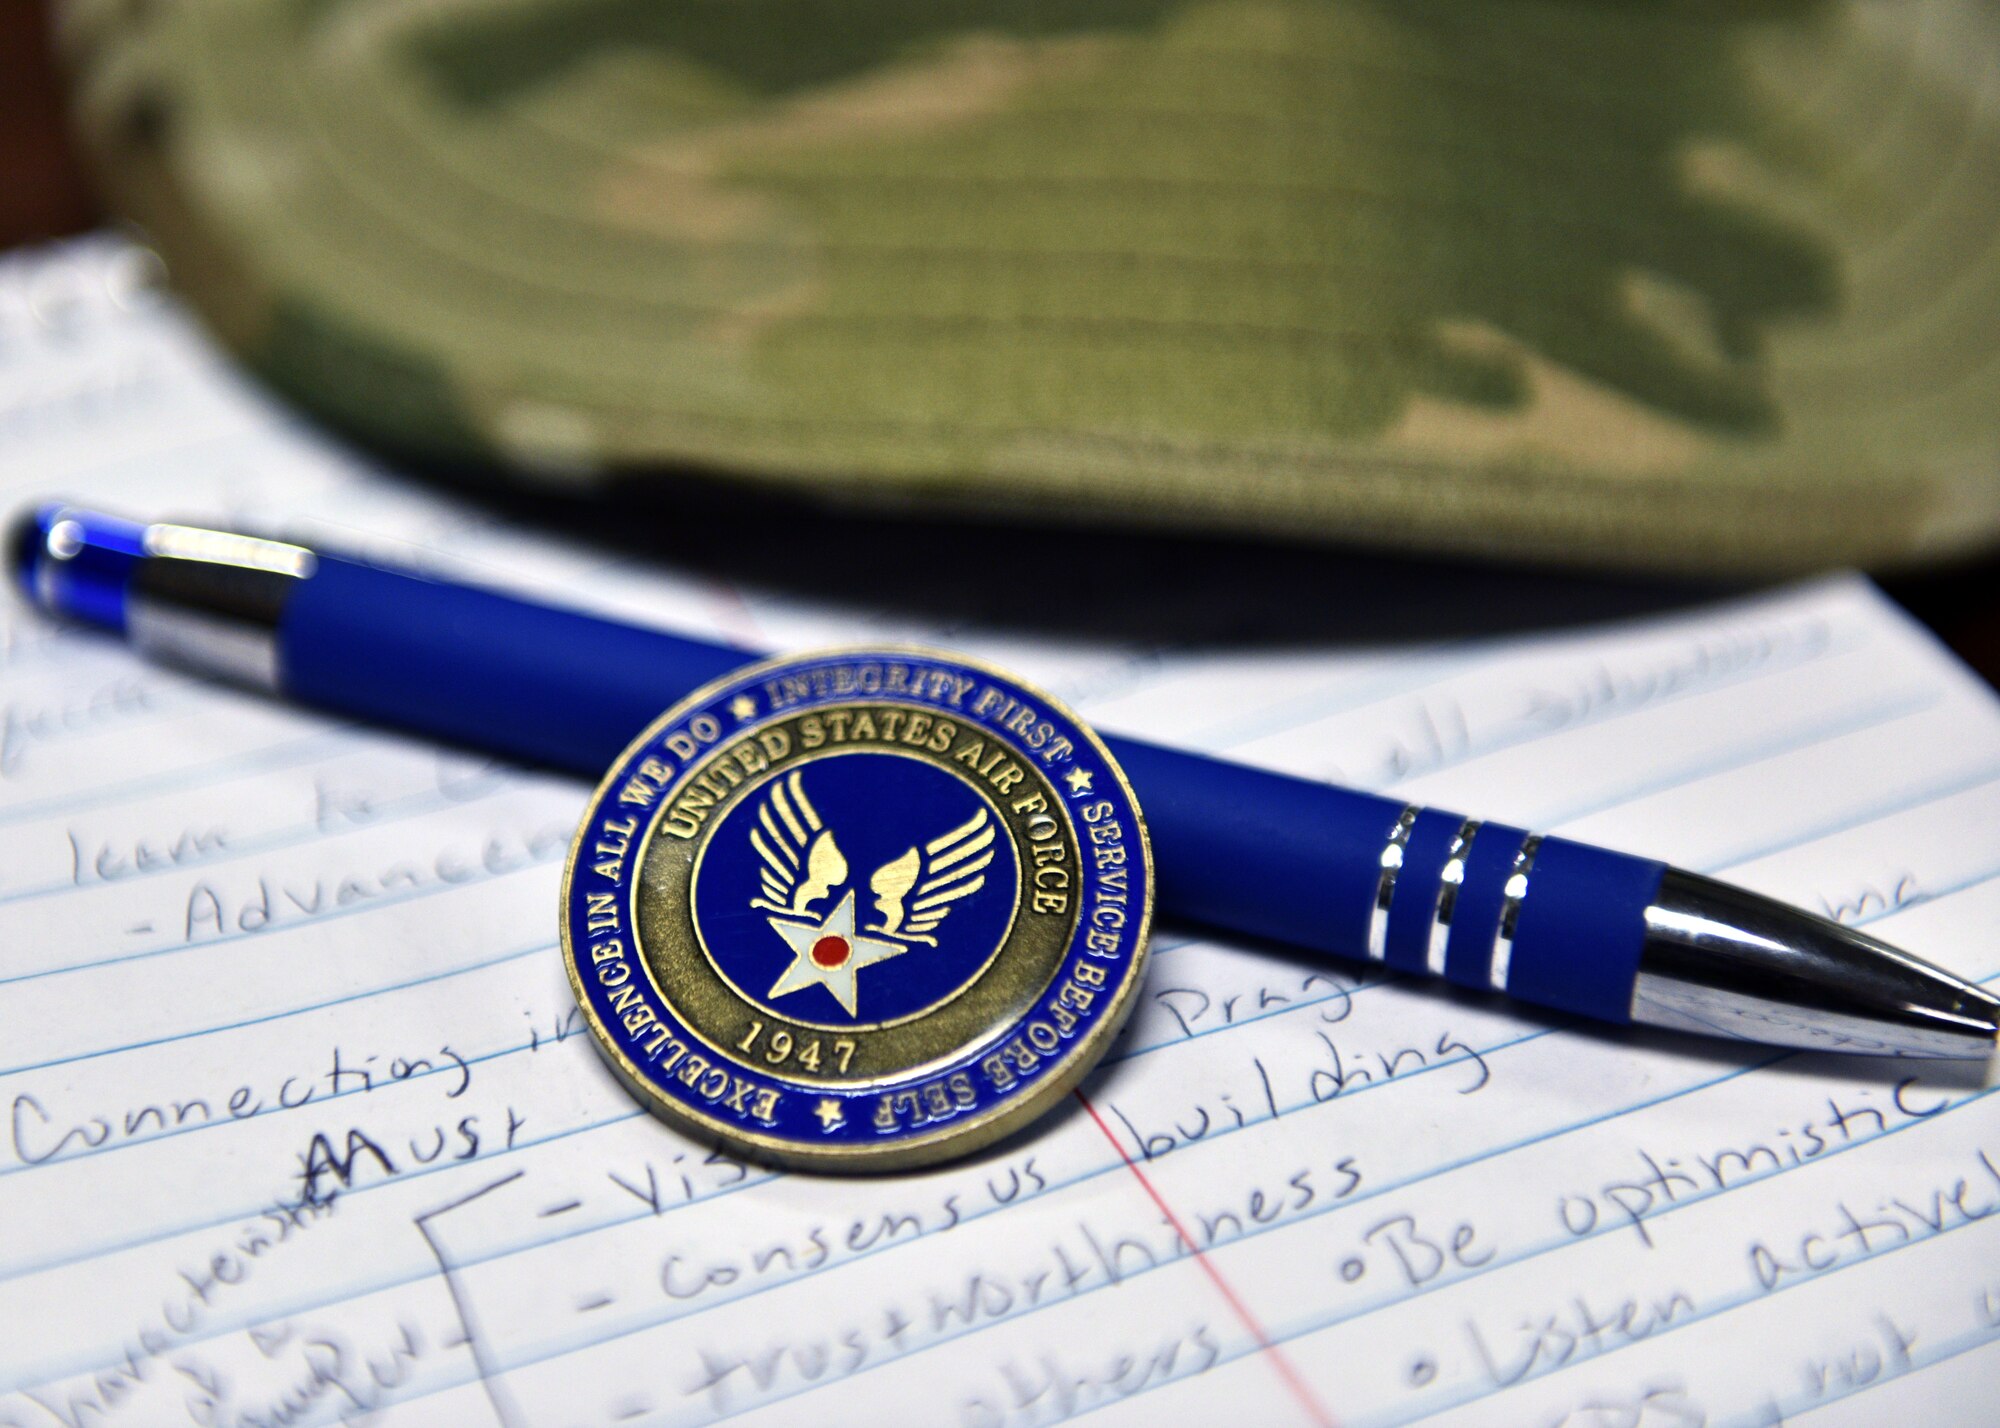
(1577, 928)
(1237, 848)
(530, 681)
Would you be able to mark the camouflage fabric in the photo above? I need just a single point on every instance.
(1700, 286)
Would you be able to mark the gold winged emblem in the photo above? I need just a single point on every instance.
(802, 864)
(914, 892)
(788, 829)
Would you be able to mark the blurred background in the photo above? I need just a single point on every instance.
(1419, 318)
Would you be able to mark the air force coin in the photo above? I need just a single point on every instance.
(861, 909)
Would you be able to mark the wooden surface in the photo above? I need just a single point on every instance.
(42, 189)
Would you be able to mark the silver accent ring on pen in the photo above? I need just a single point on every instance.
(1510, 910)
(1385, 886)
(1450, 879)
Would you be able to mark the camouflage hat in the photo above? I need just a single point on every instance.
(1695, 286)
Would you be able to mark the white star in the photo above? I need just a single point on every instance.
(1078, 780)
(743, 707)
(828, 954)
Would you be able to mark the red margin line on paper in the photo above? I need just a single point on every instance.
(1315, 1410)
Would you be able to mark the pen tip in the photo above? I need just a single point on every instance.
(1982, 1009)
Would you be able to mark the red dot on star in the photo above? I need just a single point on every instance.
(830, 951)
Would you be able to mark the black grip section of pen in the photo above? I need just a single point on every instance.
(469, 666)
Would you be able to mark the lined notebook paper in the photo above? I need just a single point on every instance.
(302, 1126)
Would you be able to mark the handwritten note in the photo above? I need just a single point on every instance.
(302, 1128)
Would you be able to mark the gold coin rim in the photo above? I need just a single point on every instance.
(953, 1139)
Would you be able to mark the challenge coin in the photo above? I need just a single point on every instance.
(858, 909)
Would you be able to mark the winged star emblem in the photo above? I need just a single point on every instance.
(803, 865)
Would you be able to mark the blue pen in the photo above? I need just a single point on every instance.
(1556, 923)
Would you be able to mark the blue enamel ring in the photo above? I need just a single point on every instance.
(858, 909)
